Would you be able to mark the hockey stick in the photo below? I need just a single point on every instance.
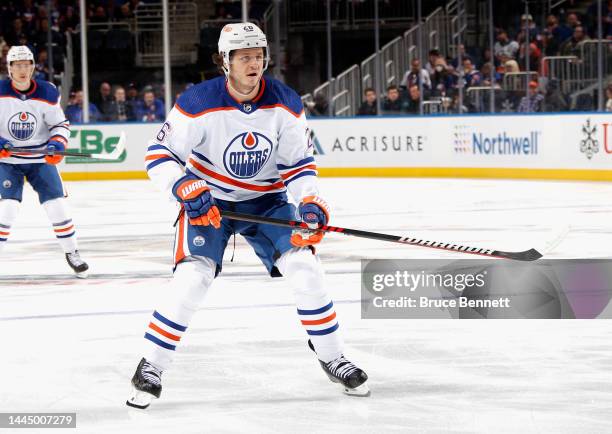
(111, 156)
(527, 255)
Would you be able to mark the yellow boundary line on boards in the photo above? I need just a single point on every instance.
(469, 172)
(103, 176)
(399, 172)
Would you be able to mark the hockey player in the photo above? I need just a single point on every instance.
(239, 142)
(33, 120)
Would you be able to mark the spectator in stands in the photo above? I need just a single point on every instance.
(511, 97)
(584, 103)
(609, 98)
(528, 23)
(29, 21)
(535, 54)
(452, 104)
(74, 111)
(487, 58)
(41, 38)
(554, 100)
(533, 102)
(471, 76)
(152, 109)
(41, 71)
(3, 68)
(415, 75)
(567, 30)
(431, 63)
(124, 13)
(68, 21)
(511, 66)
(103, 98)
(442, 81)
(485, 72)
(370, 106)
(458, 66)
(133, 99)
(119, 110)
(99, 15)
(571, 47)
(16, 34)
(591, 17)
(320, 106)
(393, 104)
(414, 100)
(552, 36)
(505, 46)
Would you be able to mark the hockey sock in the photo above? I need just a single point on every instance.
(62, 224)
(9, 209)
(190, 284)
(314, 305)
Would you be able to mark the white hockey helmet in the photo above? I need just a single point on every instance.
(237, 36)
(16, 53)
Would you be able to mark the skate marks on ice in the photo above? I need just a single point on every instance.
(245, 365)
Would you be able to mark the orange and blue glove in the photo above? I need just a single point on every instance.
(193, 193)
(313, 211)
(55, 143)
(5, 148)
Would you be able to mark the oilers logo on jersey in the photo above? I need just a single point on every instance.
(247, 154)
(22, 125)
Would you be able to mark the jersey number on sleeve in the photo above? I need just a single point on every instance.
(161, 136)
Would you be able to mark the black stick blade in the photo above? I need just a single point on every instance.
(527, 255)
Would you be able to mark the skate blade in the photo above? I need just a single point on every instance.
(82, 275)
(140, 399)
(362, 390)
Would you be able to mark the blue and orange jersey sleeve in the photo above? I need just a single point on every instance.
(47, 94)
(182, 131)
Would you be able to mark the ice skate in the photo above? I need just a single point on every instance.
(350, 377)
(79, 266)
(146, 385)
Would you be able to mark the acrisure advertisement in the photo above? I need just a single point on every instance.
(537, 146)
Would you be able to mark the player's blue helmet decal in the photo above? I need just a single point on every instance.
(247, 154)
(22, 125)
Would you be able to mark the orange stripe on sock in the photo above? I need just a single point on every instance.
(65, 229)
(164, 332)
(319, 321)
(4, 233)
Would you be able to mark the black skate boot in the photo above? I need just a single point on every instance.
(146, 384)
(79, 266)
(342, 371)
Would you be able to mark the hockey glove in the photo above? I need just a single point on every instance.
(313, 211)
(56, 143)
(5, 148)
(199, 204)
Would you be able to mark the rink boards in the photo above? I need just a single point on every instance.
(563, 146)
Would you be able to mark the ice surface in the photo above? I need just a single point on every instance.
(71, 346)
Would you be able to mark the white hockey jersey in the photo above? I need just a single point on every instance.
(29, 120)
(242, 150)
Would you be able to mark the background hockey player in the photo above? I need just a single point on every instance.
(239, 143)
(32, 119)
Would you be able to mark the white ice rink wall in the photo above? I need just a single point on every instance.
(559, 146)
